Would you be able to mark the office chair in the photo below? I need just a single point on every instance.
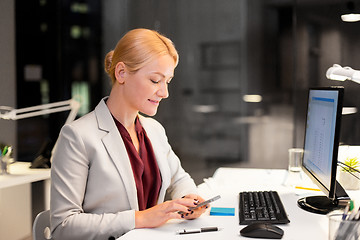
(41, 226)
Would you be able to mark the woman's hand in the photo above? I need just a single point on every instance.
(197, 212)
(161, 213)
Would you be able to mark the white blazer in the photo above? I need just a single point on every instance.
(93, 191)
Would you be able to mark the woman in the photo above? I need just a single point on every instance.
(112, 168)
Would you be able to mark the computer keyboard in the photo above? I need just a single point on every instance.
(261, 207)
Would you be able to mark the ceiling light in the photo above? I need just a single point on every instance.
(252, 98)
(351, 17)
(351, 13)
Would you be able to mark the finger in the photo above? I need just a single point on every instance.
(197, 213)
(189, 215)
(189, 202)
(201, 210)
(195, 197)
(194, 215)
(200, 199)
(197, 200)
(175, 206)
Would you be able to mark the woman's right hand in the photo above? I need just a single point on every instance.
(161, 213)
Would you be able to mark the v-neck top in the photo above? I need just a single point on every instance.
(144, 165)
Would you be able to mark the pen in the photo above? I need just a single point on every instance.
(199, 230)
(305, 188)
(5, 150)
(9, 150)
(345, 212)
(347, 228)
(351, 216)
(357, 215)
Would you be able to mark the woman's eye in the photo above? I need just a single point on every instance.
(154, 81)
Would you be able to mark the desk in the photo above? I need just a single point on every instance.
(16, 205)
(21, 173)
(228, 182)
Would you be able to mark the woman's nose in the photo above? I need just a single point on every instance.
(163, 91)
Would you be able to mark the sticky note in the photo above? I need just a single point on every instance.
(221, 211)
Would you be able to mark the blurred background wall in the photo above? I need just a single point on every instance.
(240, 90)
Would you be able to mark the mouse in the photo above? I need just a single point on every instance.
(262, 230)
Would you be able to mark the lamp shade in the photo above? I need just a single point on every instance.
(351, 12)
(336, 72)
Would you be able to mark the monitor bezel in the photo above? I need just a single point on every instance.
(330, 193)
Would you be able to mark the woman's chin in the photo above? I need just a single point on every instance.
(149, 113)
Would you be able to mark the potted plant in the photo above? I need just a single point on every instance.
(348, 176)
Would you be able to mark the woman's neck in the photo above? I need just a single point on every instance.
(120, 111)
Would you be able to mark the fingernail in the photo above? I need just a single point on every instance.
(192, 212)
(189, 210)
(183, 197)
(182, 215)
(207, 206)
(187, 214)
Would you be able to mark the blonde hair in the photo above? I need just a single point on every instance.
(137, 48)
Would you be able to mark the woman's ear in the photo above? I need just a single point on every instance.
(120, 71)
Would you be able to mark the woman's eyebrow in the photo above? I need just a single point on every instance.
(162, 75)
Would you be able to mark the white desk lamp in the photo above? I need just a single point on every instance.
(336, 72)
(44, 109)
(9, 113)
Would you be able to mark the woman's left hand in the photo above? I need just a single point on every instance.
(196, 212)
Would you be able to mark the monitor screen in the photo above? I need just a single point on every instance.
(320, 135)
(322, 141)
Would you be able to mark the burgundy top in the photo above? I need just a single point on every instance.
(144, 165)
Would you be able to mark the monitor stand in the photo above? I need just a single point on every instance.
(323, 204)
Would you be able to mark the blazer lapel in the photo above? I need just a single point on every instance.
(117, 151)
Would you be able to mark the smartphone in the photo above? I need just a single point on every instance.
(203, 203)
(206, 202)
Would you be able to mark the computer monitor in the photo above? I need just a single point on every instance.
(321, 145)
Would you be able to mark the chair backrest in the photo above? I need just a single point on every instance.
(41, 226)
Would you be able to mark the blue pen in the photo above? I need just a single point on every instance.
(345, 212)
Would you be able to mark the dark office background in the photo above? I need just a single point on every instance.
(229, 49)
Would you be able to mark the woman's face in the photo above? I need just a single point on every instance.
(145, 88)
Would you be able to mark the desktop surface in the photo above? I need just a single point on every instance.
(16, 204)
(228, 182)
(21, 173)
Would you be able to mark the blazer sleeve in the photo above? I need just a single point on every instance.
(69, 172)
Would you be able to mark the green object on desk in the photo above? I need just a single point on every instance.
(221, 211)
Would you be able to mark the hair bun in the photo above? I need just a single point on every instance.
(108, 60)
